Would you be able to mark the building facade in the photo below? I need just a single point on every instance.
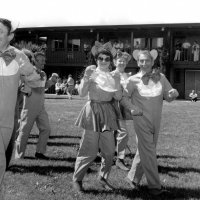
(68, 49)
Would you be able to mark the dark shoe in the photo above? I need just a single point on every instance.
(132, 184)
(77, 186)
(41, 156)
(121, 164)
(157, 192)
(103, 182)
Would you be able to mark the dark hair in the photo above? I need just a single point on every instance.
(36, 54)
(6, 23)
(105, 52)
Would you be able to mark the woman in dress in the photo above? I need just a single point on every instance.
(97, 118)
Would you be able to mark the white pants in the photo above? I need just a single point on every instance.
(177, 55)
(90, 144)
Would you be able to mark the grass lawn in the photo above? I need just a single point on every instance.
(178, 157)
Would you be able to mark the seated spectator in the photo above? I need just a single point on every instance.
(193, 96)
(58, 86)
(64, 85)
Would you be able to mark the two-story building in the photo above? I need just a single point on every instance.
(68, 48)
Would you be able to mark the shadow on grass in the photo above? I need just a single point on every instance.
(69, 159)
(170, 156)
(42, 170)
(63, 136)
(172, 193)
(167, 169)
(57, 136)
(56, 144)
(131, 156)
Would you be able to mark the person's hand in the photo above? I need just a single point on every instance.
(117, 78)
(89, 70)
(136, 112)
(173, 93)
(42, 75)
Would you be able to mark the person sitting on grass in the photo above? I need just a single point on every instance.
(59, 87)
(193, 96)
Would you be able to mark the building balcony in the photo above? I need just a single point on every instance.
(63, 57)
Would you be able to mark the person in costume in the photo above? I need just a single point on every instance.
(34, 111)
(124, 116)
(147, 89)
(23, 89)
(13, 63)
(97, 118)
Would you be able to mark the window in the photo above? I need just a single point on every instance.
(156, 43)
(139, 43)
(57, 44)
(74, 45)
(148, 43)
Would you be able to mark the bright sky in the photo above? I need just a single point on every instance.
(31, 13)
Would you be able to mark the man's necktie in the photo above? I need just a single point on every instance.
(8, 56)
(154, 75)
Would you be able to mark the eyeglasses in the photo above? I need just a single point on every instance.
(106, 59)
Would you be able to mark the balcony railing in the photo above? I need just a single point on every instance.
(185, 55)
(64, 57)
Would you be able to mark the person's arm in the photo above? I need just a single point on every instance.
(25, 67)
(170, 93)
(127, 95)
(86, 80)
(34, 76)
(118, 93)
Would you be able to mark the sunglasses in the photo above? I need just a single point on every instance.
(107, 59)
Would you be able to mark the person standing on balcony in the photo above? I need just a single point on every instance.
(185, 47)
(178, 46)
(34, 111)
(195, 51)
(70, 86)
(13, 64)
(124, 116)
(147, 89)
